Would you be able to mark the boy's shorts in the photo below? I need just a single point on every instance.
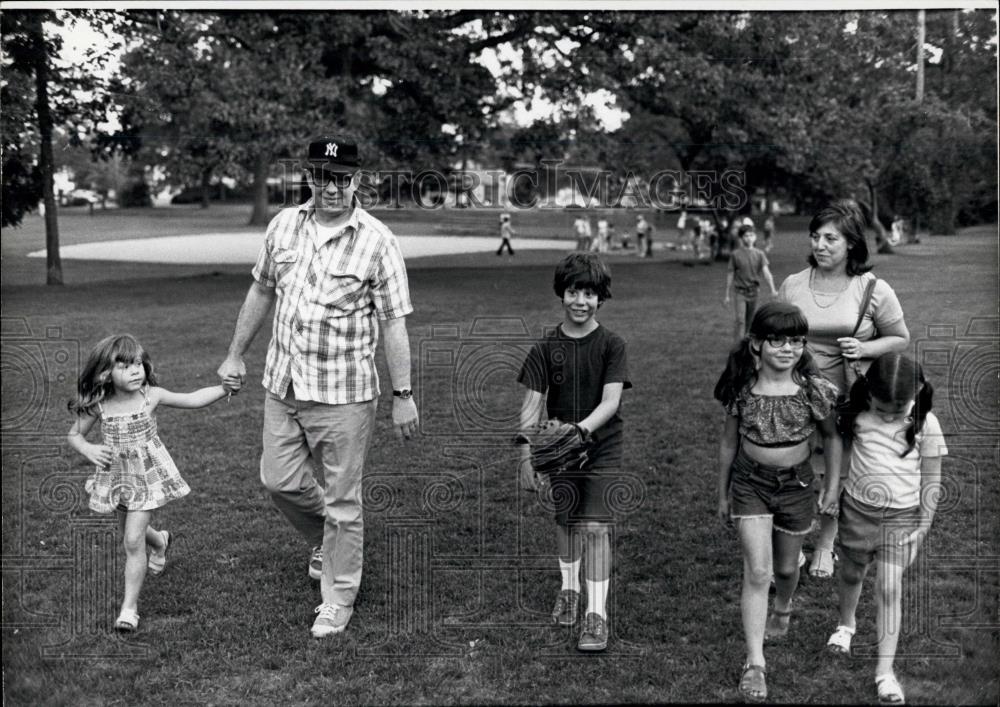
(868, 532)
(784, 493)
(582, 496)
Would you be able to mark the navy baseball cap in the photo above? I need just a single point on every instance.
(332, 153)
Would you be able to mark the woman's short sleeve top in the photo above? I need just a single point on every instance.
(834, 315)
(781, 420)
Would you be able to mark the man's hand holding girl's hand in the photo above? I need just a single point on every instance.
(232, 385)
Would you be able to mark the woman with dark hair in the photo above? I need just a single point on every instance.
(843, 339)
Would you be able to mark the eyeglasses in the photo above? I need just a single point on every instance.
(322, 178)
(776, 341)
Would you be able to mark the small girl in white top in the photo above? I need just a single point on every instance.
(889, 499)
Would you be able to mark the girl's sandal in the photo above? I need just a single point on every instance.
(127, 621)
(822, 564)
(753, 685)
(777, 624)
(890, 692)
(157, 561)
(840, 640)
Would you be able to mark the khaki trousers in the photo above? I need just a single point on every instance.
(301, 439)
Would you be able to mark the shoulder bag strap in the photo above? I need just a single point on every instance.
(865, 301)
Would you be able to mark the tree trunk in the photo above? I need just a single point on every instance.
(261, 169)
(881, 238)
(206, 188)
(53, 261)
(921, 40)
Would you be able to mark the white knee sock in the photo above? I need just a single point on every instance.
(570, 572)
(597, 597)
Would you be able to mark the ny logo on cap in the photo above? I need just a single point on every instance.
(331, 149)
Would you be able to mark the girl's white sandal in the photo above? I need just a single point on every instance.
(127, 621)
(840, 640)
(890, 692)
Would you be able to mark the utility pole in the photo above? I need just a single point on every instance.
(921, 38)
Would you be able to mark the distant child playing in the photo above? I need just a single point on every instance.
(135, 474)
(889, 499)
(506, 233)
(579, 371)
(747, 266)
(774, 399)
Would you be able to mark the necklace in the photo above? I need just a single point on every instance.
(836, 295)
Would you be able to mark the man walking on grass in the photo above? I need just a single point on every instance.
(335, 273)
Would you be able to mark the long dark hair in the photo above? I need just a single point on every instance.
(94, 384)
(848, 218)
(777, 318)
(892, 378)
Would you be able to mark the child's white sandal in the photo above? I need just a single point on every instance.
(890, 692)
(127, 621)
(840, 641)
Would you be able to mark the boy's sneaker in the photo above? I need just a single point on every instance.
(316, 563)
(157, 561)
(332, 619)
(594, 636)
(567, 607)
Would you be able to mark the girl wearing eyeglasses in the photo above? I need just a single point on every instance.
(775, 399)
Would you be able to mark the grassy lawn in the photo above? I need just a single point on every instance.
(460, 573)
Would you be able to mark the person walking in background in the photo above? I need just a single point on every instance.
(889, 500)
(747, 266)
(768, 232)
(135, 474)
(600, 244)
(334, 273)
(506, 233)
(853, 317)
(683, 236)
(578, 374)
(896, 230)
(644, 236)
(581, 229)
(774, 400)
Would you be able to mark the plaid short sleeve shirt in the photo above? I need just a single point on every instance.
(331, 293)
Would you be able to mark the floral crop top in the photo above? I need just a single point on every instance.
(783, 420)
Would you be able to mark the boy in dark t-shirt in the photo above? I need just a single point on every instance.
(579, 371)
(747, 266)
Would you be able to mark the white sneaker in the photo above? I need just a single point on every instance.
(332, 619)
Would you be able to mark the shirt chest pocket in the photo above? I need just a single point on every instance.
(344, 292)
(284, 266)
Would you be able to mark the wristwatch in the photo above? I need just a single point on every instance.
(405, 393)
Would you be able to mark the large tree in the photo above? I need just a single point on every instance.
(39, 94)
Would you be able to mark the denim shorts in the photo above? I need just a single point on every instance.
(868, 532)
(784, 493)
